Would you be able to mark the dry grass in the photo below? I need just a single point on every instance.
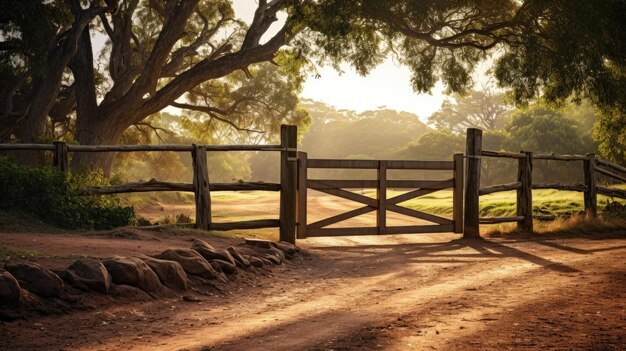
(578, 225)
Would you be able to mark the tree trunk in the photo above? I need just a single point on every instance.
(96, 131)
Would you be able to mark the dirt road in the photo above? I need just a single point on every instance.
(421, 292)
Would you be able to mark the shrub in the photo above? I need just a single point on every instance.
(182, 218)
(46, 194)
(615, 210)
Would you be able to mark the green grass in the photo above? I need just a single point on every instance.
(12, 252)
(545, 202)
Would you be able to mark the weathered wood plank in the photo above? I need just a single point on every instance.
(288, 182)
(155, 185)
(60, 160)
(421, 165)
(342, 231)
(201, 187)
(139, 148)
(302, 194)
(348, 195)
(557, 157)
(501, 154)
(419, 214)
(525, 193)
(138, 187)
(472, 184)
(174, 147)
(254, 224)
(381, 196)
(567, 187)
(457, 195)
(610, 165)
(499, 188)
(332, 163)
(420, 229)
(341, 217)
(603, 190)
(422, 184)
(610, 174)
(494, 220)
(341, 183)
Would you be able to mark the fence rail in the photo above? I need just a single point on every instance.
(200, 186)
(592, 167)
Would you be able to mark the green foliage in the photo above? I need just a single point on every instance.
(46, 194)
(479, 109)
(543, 130)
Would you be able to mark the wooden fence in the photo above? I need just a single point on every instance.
(591, 166)
(381, 204)
(200, 186)
(294, 183)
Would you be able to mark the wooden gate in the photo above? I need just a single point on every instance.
(381, 204)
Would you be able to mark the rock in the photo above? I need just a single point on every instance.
(129, 292)
(10, 290)
(88, 274)
(264, 244)
(267, 261)
(170, 273)
(279, 253)
(225, 267)
(241, 261)
(216, 266)
(286, 247)
(36, 279)
(134, 272)
(191, 261)
(209, 253)
(273, 259)
(255, 261)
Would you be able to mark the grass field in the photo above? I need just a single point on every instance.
(552, 202)
(545, 202)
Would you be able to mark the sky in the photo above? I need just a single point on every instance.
(387, 86)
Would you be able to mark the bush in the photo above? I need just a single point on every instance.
(46, 194)
(615, 210)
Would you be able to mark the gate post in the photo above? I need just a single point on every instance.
(457, 195)
(591, 193)
(381, 195)
(60, 159)
(201, 187)
(288, 178)
(472, 185)
(525, 193)
(302, 193)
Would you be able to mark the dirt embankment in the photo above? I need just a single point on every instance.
(399, 293)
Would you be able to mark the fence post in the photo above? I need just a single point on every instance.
(60, 159)
(302, 193)
(381, 195)
(525, 193)
(472, 185)
(201, 187)
(288, 177)
(591, 192)
(457, 198)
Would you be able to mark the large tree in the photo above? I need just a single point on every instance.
(482, 109)
(160, 50)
